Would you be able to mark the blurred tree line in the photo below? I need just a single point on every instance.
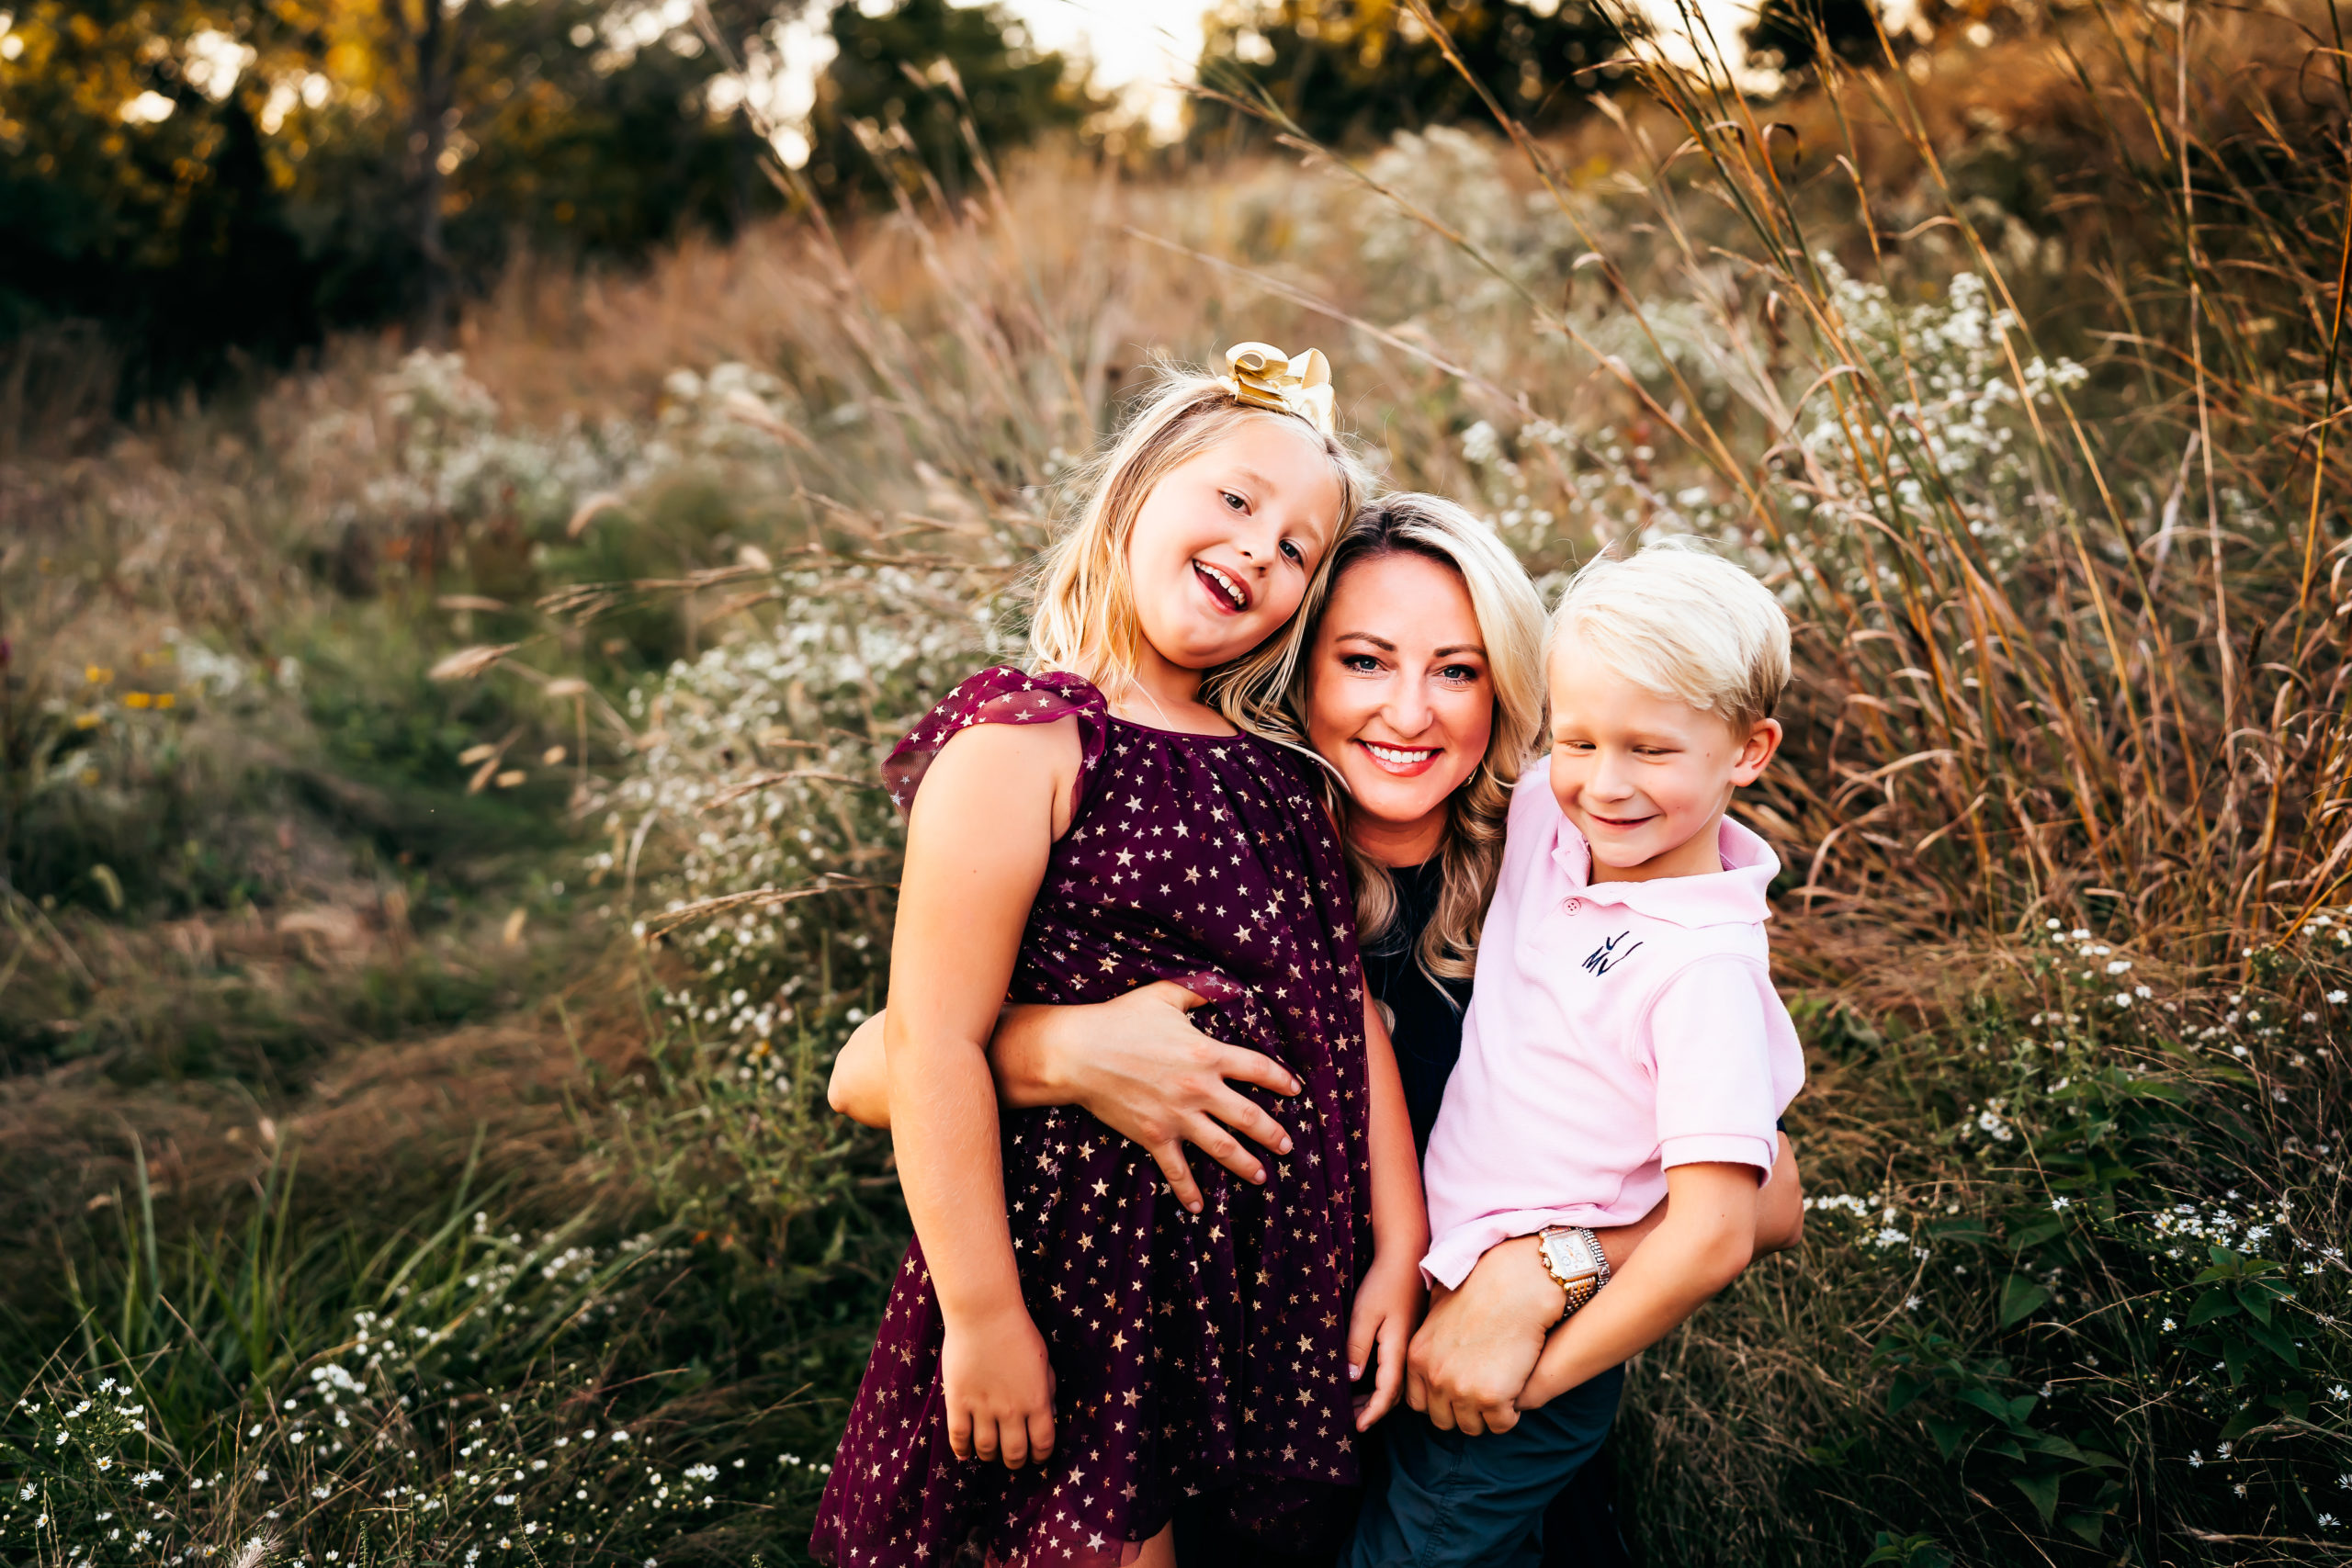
(214, 182)
(218, 181)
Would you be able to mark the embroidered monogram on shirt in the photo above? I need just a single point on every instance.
(1599, 959)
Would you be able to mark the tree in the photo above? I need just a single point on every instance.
(891, 105)
(1787, 34)
(1345, 68)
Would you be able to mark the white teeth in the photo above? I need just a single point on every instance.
(1232, 589)
(1396, 757)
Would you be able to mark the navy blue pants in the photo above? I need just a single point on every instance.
(1478, 1501)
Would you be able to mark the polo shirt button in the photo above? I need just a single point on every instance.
(1573, 905)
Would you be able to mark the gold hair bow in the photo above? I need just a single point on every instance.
(1264, 377)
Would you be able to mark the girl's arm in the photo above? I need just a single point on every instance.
(1706, 1239)
(979, 835)
(1388, 1301)
(1136, 1063)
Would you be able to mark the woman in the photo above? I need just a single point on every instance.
(1422, 693)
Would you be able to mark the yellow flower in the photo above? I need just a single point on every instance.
(166, 699)
(137, 700)
(97, 674)
(89, 775)
(85, 721)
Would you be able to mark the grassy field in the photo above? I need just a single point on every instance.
(442, 844)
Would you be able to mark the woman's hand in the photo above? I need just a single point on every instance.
(1138, 1064)
(1388, 1303)
(999, 1388)
(1144, 1071)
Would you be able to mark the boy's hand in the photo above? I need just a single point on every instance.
(999, 1388)
(1474, 1355)
(1388, 1303)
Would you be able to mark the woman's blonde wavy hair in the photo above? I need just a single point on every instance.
(1510, 624)
(1082, 608)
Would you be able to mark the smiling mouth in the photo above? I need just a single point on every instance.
(1619, 822)
(1402, 759)
(1223, 586)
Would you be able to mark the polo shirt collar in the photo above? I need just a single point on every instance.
(1733, 895)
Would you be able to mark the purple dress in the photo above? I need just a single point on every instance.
(1194, 1355)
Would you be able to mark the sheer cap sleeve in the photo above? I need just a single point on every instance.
(1000, 695)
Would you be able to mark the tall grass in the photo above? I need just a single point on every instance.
(2014, 371)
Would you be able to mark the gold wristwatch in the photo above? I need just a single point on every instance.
(1572, 1255)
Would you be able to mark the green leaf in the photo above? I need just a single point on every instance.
(1992, 1404)
(2255, 1300)
(2278, 1341)
(2090, 1526)
(2042, 1491)
(1950, 1436)
(2248, 1417)
(2035, 1234)
(1905, 1387)
(2293, 1403)
(2236, 1355)
(2018, 1298)
(2211, 1305)
(2006, 1447)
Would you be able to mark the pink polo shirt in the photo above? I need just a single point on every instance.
(1616, 1029)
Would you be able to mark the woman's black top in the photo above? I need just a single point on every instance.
(1425, 1015)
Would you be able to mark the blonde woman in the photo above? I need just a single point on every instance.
(1421, 689)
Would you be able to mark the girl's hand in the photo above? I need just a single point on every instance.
(1144, 1071)
(999, 1388)
(1388, 1305)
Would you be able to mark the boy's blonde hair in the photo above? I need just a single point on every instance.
(1682, 622)
(1082, 615)
(1510, 626)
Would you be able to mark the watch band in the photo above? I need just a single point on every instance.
(1572, 1255)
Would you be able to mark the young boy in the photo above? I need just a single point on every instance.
(1623, 1044)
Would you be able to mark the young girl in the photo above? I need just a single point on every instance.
(1067, 1348)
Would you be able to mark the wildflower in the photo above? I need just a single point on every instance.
(2196, 1459)
(2335, 998)
(97, 674)
(2327, 1521)
(2338, 1391)
(137, 700)
(2061, 1204)
(2168, 1326)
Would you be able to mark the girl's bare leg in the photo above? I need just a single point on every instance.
(1160, 1551)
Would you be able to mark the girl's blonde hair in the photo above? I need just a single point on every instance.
(1082, 615)
(1510, 624)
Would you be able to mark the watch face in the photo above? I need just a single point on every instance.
(1569, 1253)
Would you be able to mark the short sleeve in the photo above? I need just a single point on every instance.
(1712, 1043)
(1000, 695)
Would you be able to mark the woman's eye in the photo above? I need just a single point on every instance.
(1459, 672)
(1361, 663)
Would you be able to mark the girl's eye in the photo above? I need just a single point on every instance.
(1297, 555)
(1234, 500)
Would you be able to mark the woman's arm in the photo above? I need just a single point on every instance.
(978, 838)
(1707, 1237)
(1389, 1300)
(1136, 1063)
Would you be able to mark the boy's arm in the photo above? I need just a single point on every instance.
(1706, 1239)
(1388, 1301)
(1479, 1344)
(1779, 1206)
